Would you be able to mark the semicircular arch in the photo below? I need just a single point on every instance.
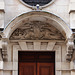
(50, 18)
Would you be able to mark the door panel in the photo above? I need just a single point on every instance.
(27, 68)
(45, 68)
(36, 63)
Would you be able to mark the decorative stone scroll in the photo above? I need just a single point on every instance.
(70, 46)
(36, 30)
(4, 49)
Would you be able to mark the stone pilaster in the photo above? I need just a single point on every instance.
(72, 14)
(1, 15)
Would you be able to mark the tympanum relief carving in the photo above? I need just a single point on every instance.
(36, 30)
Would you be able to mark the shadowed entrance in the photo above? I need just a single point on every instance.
(36, 63)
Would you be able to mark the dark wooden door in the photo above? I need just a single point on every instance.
(36, 63)
(45, 69)
(27, 68)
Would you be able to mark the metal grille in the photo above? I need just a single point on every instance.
(35, 2)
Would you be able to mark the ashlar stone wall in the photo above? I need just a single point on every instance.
(14, 7)
(1, 13)
(72, 13)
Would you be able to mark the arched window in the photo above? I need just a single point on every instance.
(35, 2)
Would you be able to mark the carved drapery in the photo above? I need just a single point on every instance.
(36, 30)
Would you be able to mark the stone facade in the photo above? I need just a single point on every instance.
(50, 28)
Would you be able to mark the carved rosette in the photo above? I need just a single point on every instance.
(36, 30)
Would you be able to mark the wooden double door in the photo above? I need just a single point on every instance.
(37, 63)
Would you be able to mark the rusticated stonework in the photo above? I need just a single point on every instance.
(36, 30)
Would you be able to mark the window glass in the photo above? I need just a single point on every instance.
(35, 2)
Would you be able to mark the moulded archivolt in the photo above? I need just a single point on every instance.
(33, 6)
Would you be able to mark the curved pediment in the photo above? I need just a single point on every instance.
(36, 30)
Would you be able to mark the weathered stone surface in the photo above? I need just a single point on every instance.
(64, 53)
(71, 6)
(1, 65)
(7, 72)
(72, 0)
(15, 66)
(66, 72)
(16, 48)
(58, 65)
(8, 66)
(1, 56)
(0, 44)
(72, 19)
(58, 53)
(23, 45)
(1, 72)
(62, 66)
(30, 46)
(9, 52)
(65, 65)
(37, 45)
(1, 5)
(71, 65)
(1, 18)
(58, 73)
(36, 30)
(50, 45)
(72, 72)
(14, 72)
(44, 46)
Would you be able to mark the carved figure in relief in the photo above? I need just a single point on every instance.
(36, 30)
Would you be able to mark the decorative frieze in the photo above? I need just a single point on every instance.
(36, 30)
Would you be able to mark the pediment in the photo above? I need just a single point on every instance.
(36, 30)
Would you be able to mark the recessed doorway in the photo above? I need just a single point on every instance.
(36, 63)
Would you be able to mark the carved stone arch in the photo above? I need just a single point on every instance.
(38, 16)
(38, 23)
(36, 30)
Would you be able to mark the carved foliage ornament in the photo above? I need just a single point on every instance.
(36, 30)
